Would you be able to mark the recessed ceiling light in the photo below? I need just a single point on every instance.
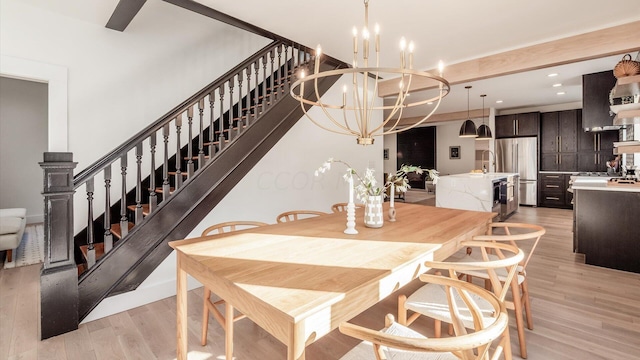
(560, 93)
(498, 101)
(552, 74)
(557, 85)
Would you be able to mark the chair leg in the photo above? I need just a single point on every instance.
(228, 328)
(437, 328)
(450, 330)
(527, 303)
(508, 355)
(517, 305)
(402, 311)
(205, 316)
(9, 255)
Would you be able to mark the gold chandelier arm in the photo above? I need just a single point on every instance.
(356, 101)
(350, 132)
(398, 106)
(393, 131)
(346, 130)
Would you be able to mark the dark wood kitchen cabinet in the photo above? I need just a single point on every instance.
(595, 149)
(553, 190)
(517, 125)
(559, 140)
(595, 99)
(605, 228)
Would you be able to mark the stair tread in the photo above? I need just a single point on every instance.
(159, 190)
(98, 247)
(196, 157)
(145, 209)
(115, 229)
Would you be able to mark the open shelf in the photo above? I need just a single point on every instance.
(627, 117)
(626, 149)
(627, 86)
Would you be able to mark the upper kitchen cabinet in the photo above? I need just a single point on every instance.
(595, 101)
(559, 140)
(517, 125)
(595, 149)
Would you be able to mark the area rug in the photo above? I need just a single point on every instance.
(31, 248)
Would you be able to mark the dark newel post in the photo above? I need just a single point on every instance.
(59, 274)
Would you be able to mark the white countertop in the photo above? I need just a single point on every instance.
(600, 183)
(489, 176)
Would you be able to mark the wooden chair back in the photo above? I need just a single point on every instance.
(467, 346)
(231, 226)
(514, 233)
(509, 257)
(295, 215)
(340, 207)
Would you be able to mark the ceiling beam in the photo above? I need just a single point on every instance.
(592, 45)
(217, 15)
(452, 116)
(124, 12)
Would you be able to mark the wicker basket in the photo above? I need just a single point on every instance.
(626, 67)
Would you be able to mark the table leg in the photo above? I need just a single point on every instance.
(228, 324)
(181, 310)
(297, 346)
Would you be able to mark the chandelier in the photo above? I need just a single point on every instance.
(358, 103)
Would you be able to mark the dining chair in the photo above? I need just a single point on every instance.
(295, 215)
(432, 301)
(526, 237)
(340, 207)
(212, 306)
(396, 341)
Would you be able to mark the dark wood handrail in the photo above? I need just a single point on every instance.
(125, 147)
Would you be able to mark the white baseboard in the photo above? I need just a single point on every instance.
(139, 297)
(35, 219)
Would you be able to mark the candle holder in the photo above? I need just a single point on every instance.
(392, 214)
(351, 219)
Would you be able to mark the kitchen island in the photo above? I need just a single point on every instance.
(605, 216)
(490, 192)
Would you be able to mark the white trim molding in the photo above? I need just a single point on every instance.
(56, 77)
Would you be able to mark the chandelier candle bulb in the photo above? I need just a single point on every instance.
(377, 38)
(355, 43)
(411, 55)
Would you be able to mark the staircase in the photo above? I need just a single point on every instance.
(206, 145)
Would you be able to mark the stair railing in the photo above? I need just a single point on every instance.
(222, 110)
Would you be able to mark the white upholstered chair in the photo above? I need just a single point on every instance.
(431, 300)
(398, 342)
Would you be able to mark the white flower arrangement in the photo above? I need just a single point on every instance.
(368, 185)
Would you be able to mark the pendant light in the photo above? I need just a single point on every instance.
(484, 132)
(468, 128)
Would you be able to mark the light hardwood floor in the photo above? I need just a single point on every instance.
(580, 312)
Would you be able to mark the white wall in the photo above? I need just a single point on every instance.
(283, 180)
(23, 115)
(119, 82)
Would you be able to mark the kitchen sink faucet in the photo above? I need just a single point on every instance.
(484, 169)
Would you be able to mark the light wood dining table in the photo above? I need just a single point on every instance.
(300, 280)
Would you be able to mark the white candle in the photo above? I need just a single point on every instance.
(351, 188)
(393, 194)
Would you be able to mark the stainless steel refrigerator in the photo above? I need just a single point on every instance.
(520, 155)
